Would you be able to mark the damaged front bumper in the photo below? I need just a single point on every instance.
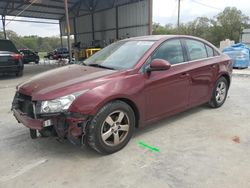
(66, 125)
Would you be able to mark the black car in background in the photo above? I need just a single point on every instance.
(10, 58)
(29, 56)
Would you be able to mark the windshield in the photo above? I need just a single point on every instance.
(120, 55)
(6, 45)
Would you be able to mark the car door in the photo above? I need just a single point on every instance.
(202, 70)
(25, 56)
(32, 56)
(167, 91)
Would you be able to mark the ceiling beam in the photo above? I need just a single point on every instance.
(17, 7)
(35, 11)
(36, 4)
(77, 6)
(32, 21)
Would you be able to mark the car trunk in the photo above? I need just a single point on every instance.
(8, 59)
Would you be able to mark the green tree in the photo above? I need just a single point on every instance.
(159, 29)
(232, 21)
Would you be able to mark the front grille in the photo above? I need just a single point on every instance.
(24, 104)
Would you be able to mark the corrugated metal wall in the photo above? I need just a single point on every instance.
(132, 20)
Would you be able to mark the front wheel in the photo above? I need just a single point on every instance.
(33, 133)
(219, 94)
(111, 128)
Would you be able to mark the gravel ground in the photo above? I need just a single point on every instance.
(201, 147)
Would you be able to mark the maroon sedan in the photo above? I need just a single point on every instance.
(126, 85)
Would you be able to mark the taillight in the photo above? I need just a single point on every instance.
(16, 56)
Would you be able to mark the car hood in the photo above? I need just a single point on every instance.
(63, 81)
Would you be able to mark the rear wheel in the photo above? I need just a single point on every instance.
(219, 94)
(19, 73)
(111, 128)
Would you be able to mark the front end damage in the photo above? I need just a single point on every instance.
(63, 125)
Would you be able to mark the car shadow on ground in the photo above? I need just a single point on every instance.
(169, 120)
(8, 77)
(52, 147)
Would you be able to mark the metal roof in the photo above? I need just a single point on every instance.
(54, 9)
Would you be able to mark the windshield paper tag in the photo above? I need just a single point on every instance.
(144, 43)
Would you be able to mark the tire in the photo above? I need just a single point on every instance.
(33, 134)
(221, 86)
(19, 73)
(111, 128)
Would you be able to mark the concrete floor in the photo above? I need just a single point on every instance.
(201, 147)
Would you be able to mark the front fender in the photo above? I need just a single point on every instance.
(92, 101)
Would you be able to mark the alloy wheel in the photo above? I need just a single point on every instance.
(220, 92)
(115, 128)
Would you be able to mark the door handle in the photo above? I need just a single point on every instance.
(184, 75)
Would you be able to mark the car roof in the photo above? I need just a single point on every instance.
(162, 37)
(148, 38)
(165, 37)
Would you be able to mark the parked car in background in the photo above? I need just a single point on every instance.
(58, 53)
(240, 55)
(49, 55)
(10, 58)
(29, 56)
(102, 101)
(62, 53)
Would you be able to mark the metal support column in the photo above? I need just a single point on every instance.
(117, 22)
(68, 28)
(60, 27)
(75, 29)
(150, 17)
(4, 31)
(178, 19)
(93, 26)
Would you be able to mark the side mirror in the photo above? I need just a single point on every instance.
(158, 65)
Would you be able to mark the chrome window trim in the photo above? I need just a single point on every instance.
(203, 59)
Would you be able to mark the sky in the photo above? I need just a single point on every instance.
(164, 12)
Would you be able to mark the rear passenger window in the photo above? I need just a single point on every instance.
(170, 51)
(210, 51)
(196, 49)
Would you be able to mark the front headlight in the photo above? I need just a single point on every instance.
(59, 105)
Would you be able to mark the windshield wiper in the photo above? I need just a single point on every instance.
(83, 63)
(100, 66)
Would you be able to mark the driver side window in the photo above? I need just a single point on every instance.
(170, 51)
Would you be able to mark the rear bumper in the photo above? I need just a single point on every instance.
(13, 68)
(27, 121)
